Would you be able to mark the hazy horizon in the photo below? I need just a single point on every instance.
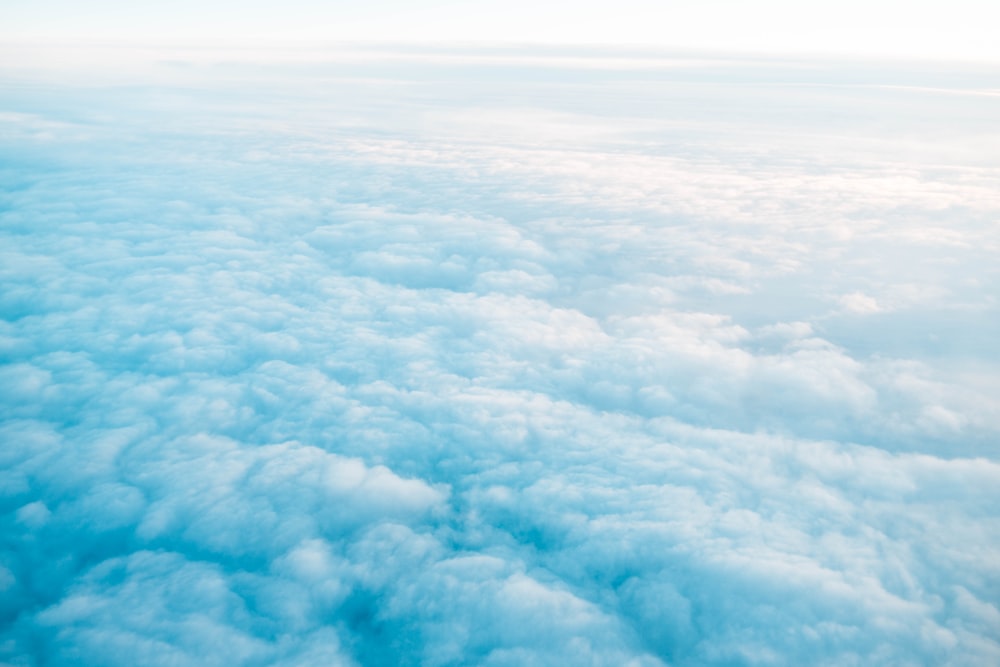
(893, 29)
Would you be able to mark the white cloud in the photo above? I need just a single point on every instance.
(331, 381)
(859, 303)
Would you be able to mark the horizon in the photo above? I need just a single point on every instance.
(880, 29)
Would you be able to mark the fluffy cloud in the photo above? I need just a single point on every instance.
(300, 371)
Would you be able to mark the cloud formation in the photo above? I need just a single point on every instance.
(304, 370)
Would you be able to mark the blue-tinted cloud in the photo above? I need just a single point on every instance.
(419, 366)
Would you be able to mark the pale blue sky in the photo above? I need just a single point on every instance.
(961, 29)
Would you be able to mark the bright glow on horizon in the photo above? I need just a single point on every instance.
(882, 28)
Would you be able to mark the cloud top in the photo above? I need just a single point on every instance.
(333, 367)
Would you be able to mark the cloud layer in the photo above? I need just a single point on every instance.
(427, 364)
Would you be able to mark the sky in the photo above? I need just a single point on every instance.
(958, 30)
(452, 354)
